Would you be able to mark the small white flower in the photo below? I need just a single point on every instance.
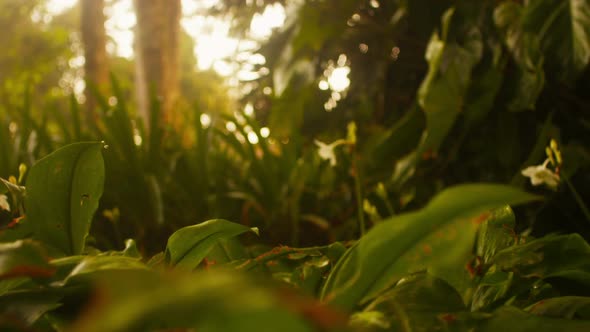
(4, 203)
(326, 151)
(542, 175)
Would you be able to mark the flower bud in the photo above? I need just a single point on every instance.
(351, 132)
(22, 170)
(549, 154)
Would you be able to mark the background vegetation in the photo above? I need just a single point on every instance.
(374, 168)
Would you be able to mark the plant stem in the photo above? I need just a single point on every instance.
(388, 206)
(359, 197)
(294, 224)
(402, 315)
(579, 200)
(276, 253)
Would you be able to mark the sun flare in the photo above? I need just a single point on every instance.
(214, 47)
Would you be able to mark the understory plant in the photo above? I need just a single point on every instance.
(456, 264)
(314, 227)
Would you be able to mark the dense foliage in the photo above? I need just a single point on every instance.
(402, 208)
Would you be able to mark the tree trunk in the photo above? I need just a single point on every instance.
(96, 71)
(157, 57)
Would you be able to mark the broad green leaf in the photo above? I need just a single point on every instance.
(569, 307)
(288, 110)
(370, 321)
(443, 92)
(93, 267)
(211, 301)
(482, 93)
(14, 189)
(24, 258)
(417, 302)
(402, 137)
(189, 245)
(553, 256)
(563, 27)
(308, 276)
(9, 284)
(323, 22)
(16, 231)
(513, 319)
(524, 48)
(493, 287)
(64, 266)
(496, 233)
(445, 252)
(227, 251)
(18, 312)
(63, 190)
(371, 265)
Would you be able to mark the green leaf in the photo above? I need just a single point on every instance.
(482, 93)
(563, 27)
(569, 307)
(371, 265)
(16, 231)
(207, 301)
(525, 50)
(63, 190)
(443, 92)
(189, 245)
(401, 138)
(370, 321)
(417, 301)
(492, 288)
(9, 284)
(9, 187)
(94, 267)
(26, 309)
(227, 250)
(512, 319)
(496, 233)
(553, 256)
(131, 249)
(24, 258)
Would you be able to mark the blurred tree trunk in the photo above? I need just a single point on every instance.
(96, 72)
(157, 57)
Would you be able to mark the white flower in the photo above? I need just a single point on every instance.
(326, 151)
(4, 203)
(542, 175)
